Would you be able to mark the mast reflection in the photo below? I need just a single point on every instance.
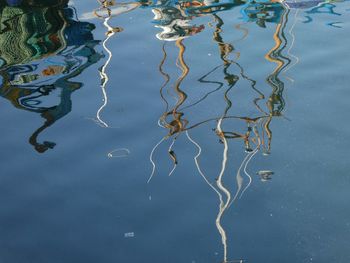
(176, 27)
(106, 11)
(42, 59)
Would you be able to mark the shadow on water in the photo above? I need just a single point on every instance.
(43, 46)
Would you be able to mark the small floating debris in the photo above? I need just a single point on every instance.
(119, 153)
(265, 175)
(129, 235)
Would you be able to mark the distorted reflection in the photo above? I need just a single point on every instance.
(175, 22)
(43, 46)
(106, 11)
(314, 7)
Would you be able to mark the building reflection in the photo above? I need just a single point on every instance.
(43, 47)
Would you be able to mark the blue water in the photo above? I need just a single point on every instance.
(174, 132)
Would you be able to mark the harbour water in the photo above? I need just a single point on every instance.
(174, 131)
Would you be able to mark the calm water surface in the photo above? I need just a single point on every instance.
(174, 131)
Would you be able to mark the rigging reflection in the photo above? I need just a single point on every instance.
(43, 46)
(258, 136)
(176, 22)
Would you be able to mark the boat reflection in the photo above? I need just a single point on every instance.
(43, 46)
